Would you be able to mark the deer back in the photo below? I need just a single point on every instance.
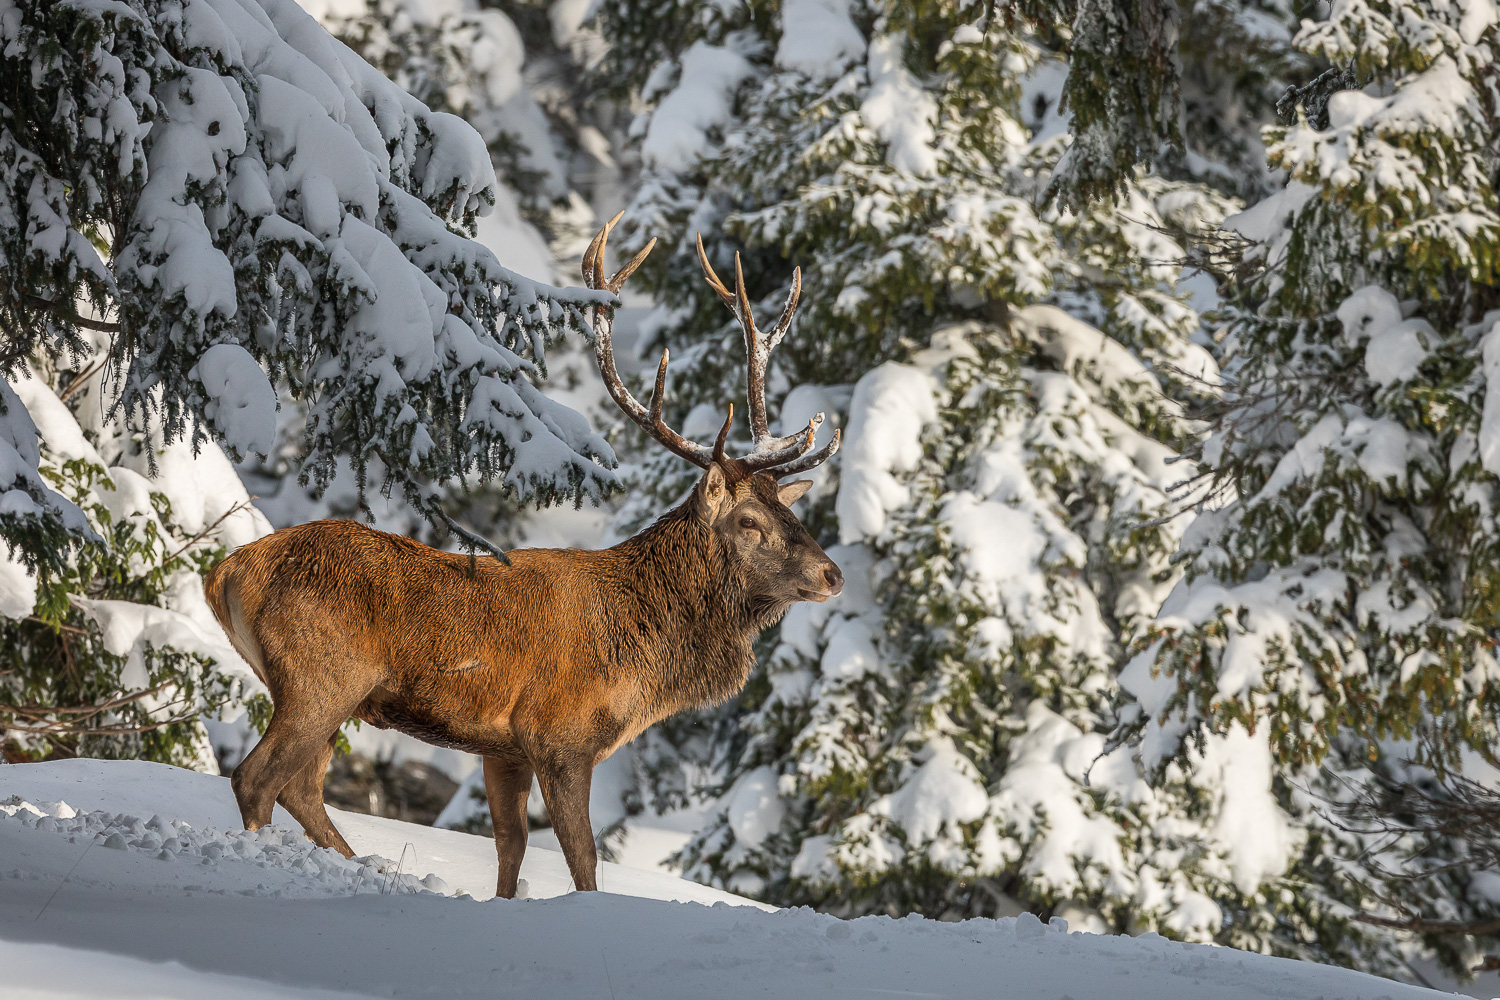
(569, 639)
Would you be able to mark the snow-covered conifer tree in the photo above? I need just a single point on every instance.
(234, 197)
(1010, 382)
(476, 61)
(114, 652)
(1341, 599)
(1238, 66)
(469, 60)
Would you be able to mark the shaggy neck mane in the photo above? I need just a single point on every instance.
(697, 620)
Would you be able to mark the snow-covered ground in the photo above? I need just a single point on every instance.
(132, 880)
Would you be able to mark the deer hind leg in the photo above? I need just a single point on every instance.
(565, 782)
(296, 741)
(303, 798)
(507, 785)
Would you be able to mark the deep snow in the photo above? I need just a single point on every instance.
(142, 885)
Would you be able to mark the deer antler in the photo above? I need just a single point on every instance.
(604, 354)
(777, 456)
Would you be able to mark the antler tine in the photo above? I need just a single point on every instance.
(723, 436)
(742, 301)
(755, 371)
(593, 257)
(756, 356)
(786, 447)
(604, 354)
(618, 281)
(593, 260)
(800, 444)
(725, 295)
(659, 393)
(807, 462)
(788, 311)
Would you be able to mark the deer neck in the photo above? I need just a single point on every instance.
(695, 627)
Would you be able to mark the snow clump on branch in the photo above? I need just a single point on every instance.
(249, 203)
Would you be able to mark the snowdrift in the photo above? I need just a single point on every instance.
(128, 879)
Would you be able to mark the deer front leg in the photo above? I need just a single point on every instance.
(565, 781)
(507, 784)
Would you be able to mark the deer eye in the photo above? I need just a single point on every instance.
(747, 522)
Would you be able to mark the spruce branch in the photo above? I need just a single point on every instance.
(67, 315)
(430, 505)
(210, 529)
(80, 379)
(1470, 928)
(1312, 97)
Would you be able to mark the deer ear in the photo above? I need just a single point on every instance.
(713, 490)
(790, 493)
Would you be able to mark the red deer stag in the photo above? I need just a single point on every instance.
(547, 665)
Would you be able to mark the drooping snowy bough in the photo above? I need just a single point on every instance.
(1343, 602)
(240, 203)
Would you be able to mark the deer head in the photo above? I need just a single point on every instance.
(741, 500)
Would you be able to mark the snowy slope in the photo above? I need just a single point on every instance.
(126, 892)
(465, 863)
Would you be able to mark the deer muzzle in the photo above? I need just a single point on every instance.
(833, 578)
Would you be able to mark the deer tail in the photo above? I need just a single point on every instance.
(221, 589)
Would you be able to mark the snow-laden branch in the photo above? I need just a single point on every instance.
(253, 204)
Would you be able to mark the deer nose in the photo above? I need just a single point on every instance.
(835, 578)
